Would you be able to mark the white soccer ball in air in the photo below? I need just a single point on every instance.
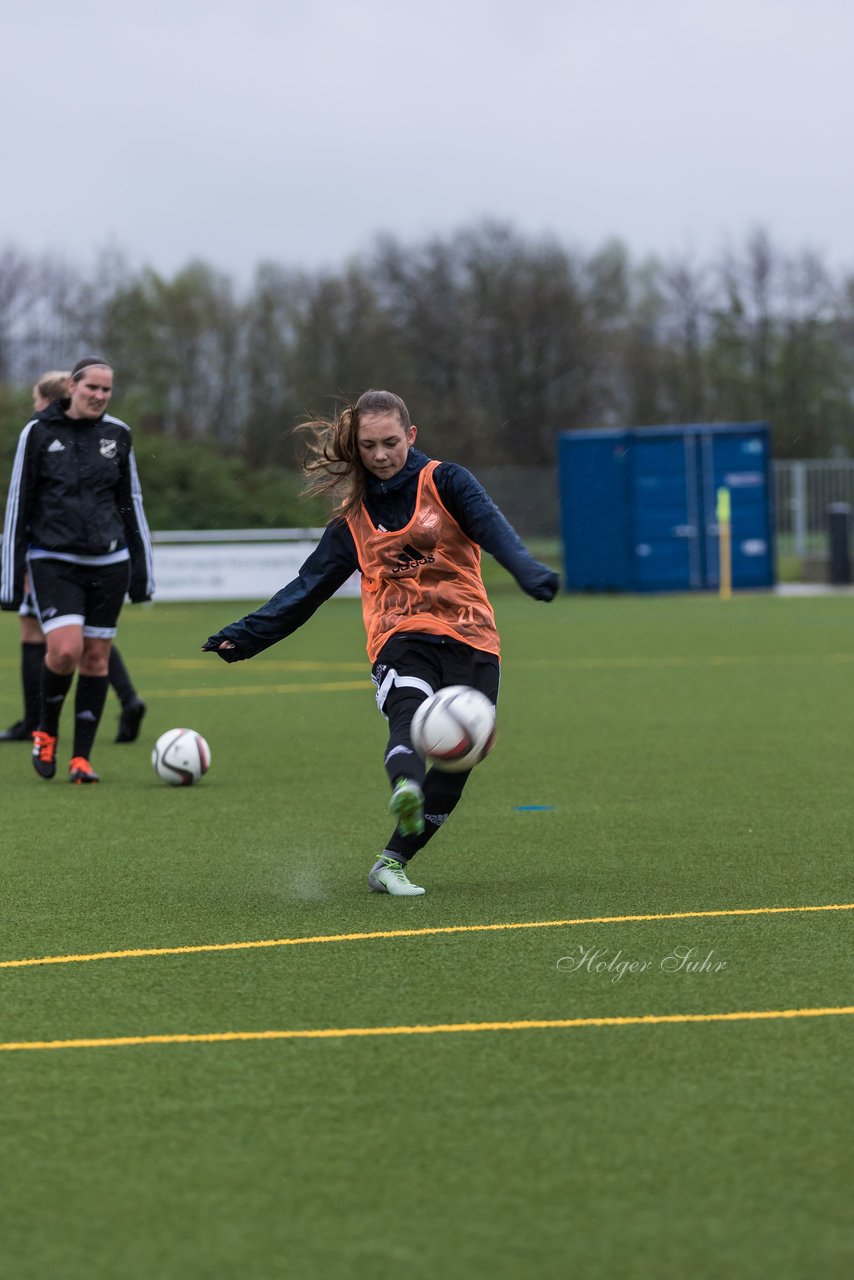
(454, 729)
(181, 757)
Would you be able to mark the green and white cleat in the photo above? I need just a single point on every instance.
(387, 875)
(407, 807)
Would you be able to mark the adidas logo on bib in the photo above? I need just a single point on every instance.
(410, 559)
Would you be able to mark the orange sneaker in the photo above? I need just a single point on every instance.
(80, 770)
(44, 753)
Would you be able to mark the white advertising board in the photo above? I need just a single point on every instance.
(231, 571)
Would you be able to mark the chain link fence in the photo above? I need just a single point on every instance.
(803, 491)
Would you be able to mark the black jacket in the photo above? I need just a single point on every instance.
(390, 504)
(74, 491)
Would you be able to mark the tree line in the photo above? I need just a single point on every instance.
(497, 342)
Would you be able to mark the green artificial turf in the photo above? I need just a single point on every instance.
(656, 758)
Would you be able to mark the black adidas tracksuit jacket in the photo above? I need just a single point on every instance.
(74, 495)
(390, 505)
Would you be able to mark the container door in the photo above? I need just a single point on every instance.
(666, 526)
(739, 461)
(594, 512)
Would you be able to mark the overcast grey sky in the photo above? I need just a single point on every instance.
(239, 130)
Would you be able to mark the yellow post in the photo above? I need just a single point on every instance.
(724, 513)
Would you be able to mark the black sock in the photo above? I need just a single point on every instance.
(120, 679)
(32, 661)
(402, 762)
(441, 796)
(54, 689)
(88, 706)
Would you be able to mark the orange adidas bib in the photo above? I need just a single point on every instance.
(424, 577)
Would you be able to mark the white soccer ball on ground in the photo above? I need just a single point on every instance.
(181, 757)
(454, 729)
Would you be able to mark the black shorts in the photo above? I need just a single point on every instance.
(411, 662)
(87, 596)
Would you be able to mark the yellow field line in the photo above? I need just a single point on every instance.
(270, 664)
(577, 663)
(685, 660)
(449, 1028)
(247, 690)
(138, 952)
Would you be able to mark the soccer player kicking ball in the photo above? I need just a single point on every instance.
(413, 527)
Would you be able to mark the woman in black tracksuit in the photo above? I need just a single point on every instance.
(413, 528)
(75, 527)
(49, 387)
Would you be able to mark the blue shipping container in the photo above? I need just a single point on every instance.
(639, 507)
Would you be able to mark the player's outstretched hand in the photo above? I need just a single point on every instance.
(546, 585)
(228, 651)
